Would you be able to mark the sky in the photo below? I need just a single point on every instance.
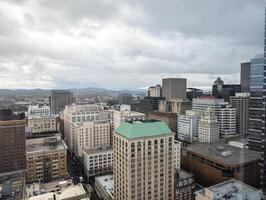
(126, 44)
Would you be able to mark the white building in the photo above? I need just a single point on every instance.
(201, 104)
(208, 127)
(229, 190)
(42, 124)
(98, 161)
(104, 187)
(227, 121)
(188, 126)
(36, 110)
(76, 114)
(177, 154)
(91, 135)
(125, 115)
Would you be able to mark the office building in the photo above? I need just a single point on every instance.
(185, 186)
(98, 161)
(77, 114)
(146, 105)
(173, 88)
(169, 118)
(208, 128)
(104, 187)
(59, 99)
(202, 103)
(41, 125)
(143, 161)
(245, 77)
(241, 103)
(188, 125)
(224, 91)
(155, 91)
(193, 93)
(214, 163)
(177, 155)
(120, 116)
(91, 135)
(177, 106)
(125, 98)
(12, 141)
(227, 122)
(37, 110)
(229, 190)
(46, 159)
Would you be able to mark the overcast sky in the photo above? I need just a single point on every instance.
(126, 44)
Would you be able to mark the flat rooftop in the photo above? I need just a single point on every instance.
(163, 114)
(184, 175)
(45, 144)
(102, 150)
(230, 189)
(107, 182)
(232, 155)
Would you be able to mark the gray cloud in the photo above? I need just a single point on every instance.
(126, 44)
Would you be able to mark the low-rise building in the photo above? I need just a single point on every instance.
(228, 190)
(98, 161)
(46, 159)
(40, 125)
(104, 187)
(214, 163)
(37, 110)
(185, 186)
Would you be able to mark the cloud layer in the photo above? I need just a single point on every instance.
(126, 44)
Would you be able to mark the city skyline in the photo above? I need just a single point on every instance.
(126, 45)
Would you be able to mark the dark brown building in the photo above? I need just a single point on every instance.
(12, 141)
(169, 118)
(215, 163)
(185, 186)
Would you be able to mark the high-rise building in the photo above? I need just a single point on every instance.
(227, 121)
(143, 161)
(174, 88)
(241, 103)
(193, 93)
(224, 91)
(245, 77)
(146, 105)
(59, 99)
(201, 104)
(177, 106)
(41, 125)
(125, 98)
(12, 141)
(155, 91)
(188, 125)
(37, 110)
(208, 127)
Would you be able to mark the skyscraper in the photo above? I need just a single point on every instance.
(245, 77)
(12, 141)
(155, 91)
(59, 99)
(173, 88)
(125, 98)
(227, 121)
(143, 161)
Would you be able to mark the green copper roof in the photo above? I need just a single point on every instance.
(143, 129)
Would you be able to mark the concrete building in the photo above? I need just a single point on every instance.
(188, 125)
(39, 125)
(104, 187)
(174, 88)
(143, 161)
(174, 106)
(201, 104)
(125, 98)
(59, 99)
(193, 93)
(46, 159)
(241, 103)
(169, 118)
(214, 163)
(185, 186)
(245, 77)
(155, 91)
(12, 141)
(98, 161)
(120, 116)
(227, 122)
(37, 110)
(91, 135)
(229, 190)
(77, 114)
(177, 155)
(146, 105)
(208, 129)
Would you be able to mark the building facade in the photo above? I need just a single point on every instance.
(173, 88)
(125, 98)
(177, 106)
(42, 124)
(185, 186)
(245, 77)
(104, 187)
(201, 104)
(59, 99)
(143, 161)
(36, 110)
(227, 122)
(155, 91)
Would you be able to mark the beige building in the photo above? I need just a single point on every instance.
(36, 110)
(91, 135)
(208, 127)
(46, 159)
(177, 106)
(155, 91)
(174, 88)
(104, 187)
(143, 161)
(177, 155)
(44, 124)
